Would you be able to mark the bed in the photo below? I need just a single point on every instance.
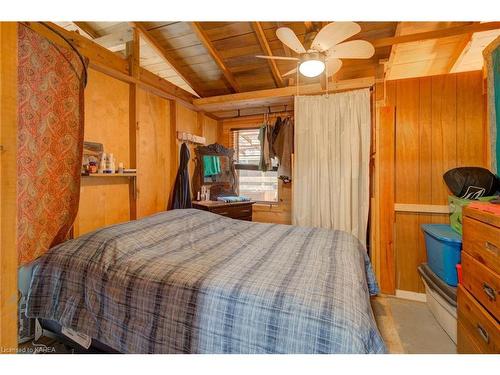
(190, 281)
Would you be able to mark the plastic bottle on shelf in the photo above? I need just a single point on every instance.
(102, 164)
(112, 168)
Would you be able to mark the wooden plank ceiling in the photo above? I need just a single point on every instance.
(235, 43)
(218, 58)
(450, 54)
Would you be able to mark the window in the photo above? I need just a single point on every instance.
(258, 185)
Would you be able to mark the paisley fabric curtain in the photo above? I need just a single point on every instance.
(50, 142)
(332, 155)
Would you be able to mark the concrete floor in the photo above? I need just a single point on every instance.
(418, 330)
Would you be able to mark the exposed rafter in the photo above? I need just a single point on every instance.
(392, 55)
(459, 52)
(261, 36)
(86, 28)
(133, 53)
(233, 85)
(263, 97)
(436, 34)
(111, 63)
(164, 55)
(117, 40)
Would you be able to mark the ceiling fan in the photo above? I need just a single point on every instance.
(326, 49)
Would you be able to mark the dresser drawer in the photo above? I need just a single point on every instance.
(482, 242)
(478, 324)
(482, 283)
(465, 342)
(234, 212)
(246, 218)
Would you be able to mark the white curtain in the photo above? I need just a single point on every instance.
(331, 163)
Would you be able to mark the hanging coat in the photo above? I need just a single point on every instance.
(182, 193)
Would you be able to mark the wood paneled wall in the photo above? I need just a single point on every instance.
(191, 122)
(8, 186)
(439, 124)
(154, 153)
(280, 213)
(105, 201)
(196, 123)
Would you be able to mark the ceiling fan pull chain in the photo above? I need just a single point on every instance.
(297, 80)
(327, 78)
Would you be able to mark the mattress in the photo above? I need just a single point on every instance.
(189, 281)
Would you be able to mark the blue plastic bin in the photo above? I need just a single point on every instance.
(443, 247)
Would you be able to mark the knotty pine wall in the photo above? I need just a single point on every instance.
(280, 213)
(429, 125)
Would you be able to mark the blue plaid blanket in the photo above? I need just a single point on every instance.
(189, 281)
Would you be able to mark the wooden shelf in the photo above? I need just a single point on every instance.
(110, 175)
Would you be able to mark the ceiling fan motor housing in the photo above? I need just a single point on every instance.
(312, 55)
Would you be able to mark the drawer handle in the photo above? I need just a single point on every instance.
(223, 213)
(483, 333)
(246, 210)
(490, 292)
(491, 247)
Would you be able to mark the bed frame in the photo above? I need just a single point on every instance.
(52, 329)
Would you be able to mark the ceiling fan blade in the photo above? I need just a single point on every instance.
(277, 57)
(354, 49)
(334, 33)
(289, 72)
(333, 66)
(288, 37)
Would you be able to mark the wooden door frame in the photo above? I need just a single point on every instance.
(8, 186)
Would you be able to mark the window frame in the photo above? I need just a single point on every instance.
(251, 167)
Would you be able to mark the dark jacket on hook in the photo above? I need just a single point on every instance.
(182, 193)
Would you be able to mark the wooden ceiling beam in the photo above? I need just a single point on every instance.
(98, 56)
(261, 37)
(86, 28)
(164, 55)
(116, 41)
(392, 55)
(437, 34)
(309, 25)
(458, 54)
(110, 63)
(202, 35)
(261, 97)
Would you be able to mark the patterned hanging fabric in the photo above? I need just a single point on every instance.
(51, 81)
(491, 56)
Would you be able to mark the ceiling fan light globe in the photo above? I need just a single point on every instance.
(311, 68)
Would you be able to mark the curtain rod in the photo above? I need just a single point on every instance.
(268, 112)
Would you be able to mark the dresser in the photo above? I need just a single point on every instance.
(236, 210)
(479, 293)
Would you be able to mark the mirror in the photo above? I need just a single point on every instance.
(215, 169)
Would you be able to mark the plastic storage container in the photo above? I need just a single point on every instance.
(441, 299)
(456, 205)
(443, 247)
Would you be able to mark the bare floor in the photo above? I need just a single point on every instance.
(409, 327)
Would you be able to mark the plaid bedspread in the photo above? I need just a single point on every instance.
(189, 281)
